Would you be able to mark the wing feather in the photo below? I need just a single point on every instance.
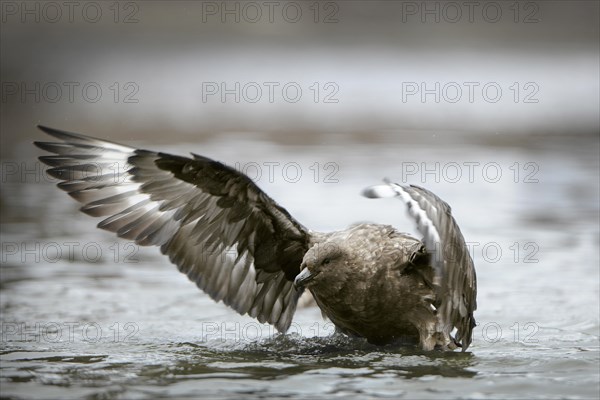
(455, 280)
(213, 222)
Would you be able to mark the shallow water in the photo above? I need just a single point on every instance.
(87, 315)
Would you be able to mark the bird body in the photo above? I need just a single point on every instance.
(374, 282)
(240, 247)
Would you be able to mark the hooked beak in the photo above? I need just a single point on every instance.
(303, 278)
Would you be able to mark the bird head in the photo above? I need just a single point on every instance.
(322, 266)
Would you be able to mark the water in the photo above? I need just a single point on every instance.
(85, 315)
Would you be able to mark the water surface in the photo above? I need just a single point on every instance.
(85, 315)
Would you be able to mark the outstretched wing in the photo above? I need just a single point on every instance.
(213, 222)
(455, 279)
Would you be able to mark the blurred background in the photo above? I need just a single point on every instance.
(156, 63)
(493, 105)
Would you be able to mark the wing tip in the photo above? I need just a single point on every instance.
(60, 134)
(40, 145)
(51, 131)
(388, 189)
(44, 128)
(47, 130)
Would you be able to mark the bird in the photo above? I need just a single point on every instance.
(243, 249)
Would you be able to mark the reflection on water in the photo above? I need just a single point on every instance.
(84, 315)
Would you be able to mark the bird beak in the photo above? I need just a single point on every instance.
(303, 278)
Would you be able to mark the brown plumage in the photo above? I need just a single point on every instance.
(241, 248)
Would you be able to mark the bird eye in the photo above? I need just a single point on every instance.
(326, 261)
